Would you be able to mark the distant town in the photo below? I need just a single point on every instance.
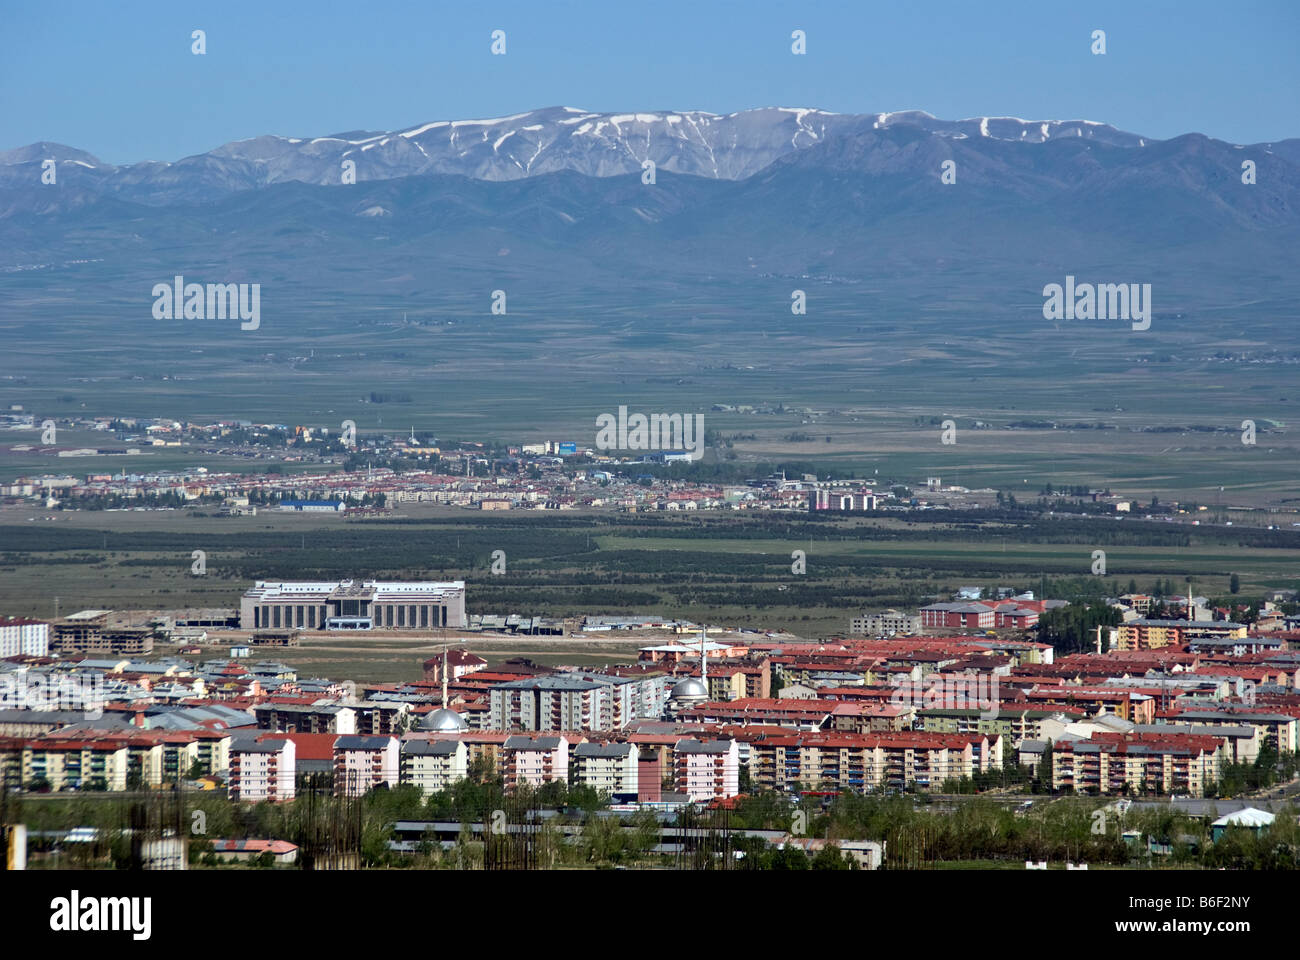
(374, 474)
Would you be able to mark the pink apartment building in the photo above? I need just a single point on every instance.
(534, 760)
(707, 770)
(363, 763)
(263, 770)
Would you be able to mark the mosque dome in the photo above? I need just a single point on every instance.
(444, 720)
(689, 689)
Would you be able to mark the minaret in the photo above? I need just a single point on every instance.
(444, 677)
(704, 659)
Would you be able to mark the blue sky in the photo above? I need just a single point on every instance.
(120, 81)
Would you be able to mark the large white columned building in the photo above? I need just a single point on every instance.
(353, 605)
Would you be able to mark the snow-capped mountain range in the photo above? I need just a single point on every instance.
(726, 147)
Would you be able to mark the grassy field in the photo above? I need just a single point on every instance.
(875, 366)
(726, 570)
(387, 660)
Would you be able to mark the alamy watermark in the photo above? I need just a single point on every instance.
(26, 691)
(1102, 301)
(179, 300)
(77, 914)
(658, 431)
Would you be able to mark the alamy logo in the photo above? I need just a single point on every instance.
(35, 691)
(1102, 301)
(214, 301)
(658, 431)
(75, 913)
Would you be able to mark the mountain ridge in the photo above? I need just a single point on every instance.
(732, 146)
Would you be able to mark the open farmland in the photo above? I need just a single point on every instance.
(732, 569)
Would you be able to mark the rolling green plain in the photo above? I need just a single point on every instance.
(720, 569)
(876, 366)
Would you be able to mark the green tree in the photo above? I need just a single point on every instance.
(1045, 770)
(602, 839)
(790, 857)
(830, 857)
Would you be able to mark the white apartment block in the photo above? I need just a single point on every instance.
(434, 765)
(577, 700)
(610, 768)
(553, 702)
(263, 770)
(19, 637)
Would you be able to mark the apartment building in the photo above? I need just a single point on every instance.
(263, 770)
(1240, 742)
(958, 616)
(1131, 705)
(97, 763)
(610, 768)
(629, 697)
(706, 770)
(534, 760)
(656, 683)
(1144, 634)
(459, 663)
(1280, 731)
(779, 711)
(363, 763)
(381, 717)
(1141, 603)
(886, 623)
(552, 702)
(161, 757)
(1023, 651)
(21, 637)
(868, 716)
(433, 765)
(870, 761)
(31, 723)
(484, 746)
(306, 718)
(11, 763)
(89, 632)
(1013, 722)
(1167, 763)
